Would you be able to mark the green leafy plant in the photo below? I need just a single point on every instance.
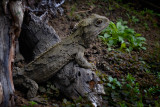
(154, 59)
(113, 83)
(122, 21)
(73, 9)
(153, 90)
(31, 104)
(146, 26)
(127, 92)
(120, 36)
(124, 93)
(134, 19)
(50, 90)
(148, 11)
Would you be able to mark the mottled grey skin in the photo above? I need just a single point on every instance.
(72, 47)
(55, 58)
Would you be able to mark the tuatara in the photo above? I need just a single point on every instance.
(70, 48)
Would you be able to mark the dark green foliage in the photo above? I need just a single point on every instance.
(49, 90)
(150, 12)
(31, 104)
(120, 36)
(153, 60)
(127, 92)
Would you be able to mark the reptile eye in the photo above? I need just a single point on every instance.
(98, 22)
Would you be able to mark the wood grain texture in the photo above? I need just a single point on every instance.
(5, 61)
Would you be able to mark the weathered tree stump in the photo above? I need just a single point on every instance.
(36, 37)
(7, 45)
(75, 81)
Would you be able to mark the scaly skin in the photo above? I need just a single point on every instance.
(72, 47)
(55, 58)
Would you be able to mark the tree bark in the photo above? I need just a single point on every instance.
(36, 37)
(74, 81)
(7, 46)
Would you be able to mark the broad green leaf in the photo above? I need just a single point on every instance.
(125, 22)
(141, 38)
(100, 36)
(133, 39)
(144, 48)
(109, 85)
(119, 26)
(135, 44)
(109, 49)
(139, 44)
(130, 31)
(113, 87)
(120, 39)
(113, 26)
(137, 34)
(119, 84)
(106, 35)
(123, 46)
(127, 50)
(110, 79)
(110, 42)
(130, 48)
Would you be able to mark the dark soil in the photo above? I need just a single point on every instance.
(114, 63)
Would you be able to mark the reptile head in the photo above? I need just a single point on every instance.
(92, 26)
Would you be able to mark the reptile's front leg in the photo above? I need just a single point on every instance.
(82, 61)
(17, 12)
(4, 4)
